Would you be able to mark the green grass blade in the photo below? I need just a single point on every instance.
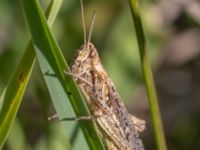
(14, 91)
(148, 77)
(62, 88)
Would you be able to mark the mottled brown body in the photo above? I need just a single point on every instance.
(118, 128)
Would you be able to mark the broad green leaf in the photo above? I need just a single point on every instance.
(14, 90)
(62, 88)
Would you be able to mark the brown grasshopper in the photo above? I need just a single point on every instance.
(118, 128)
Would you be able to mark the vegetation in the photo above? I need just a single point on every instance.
(33, 79)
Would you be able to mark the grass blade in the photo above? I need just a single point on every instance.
(14, 91)
(148, 77)
(62, 88)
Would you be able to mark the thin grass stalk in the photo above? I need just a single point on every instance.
(148, 78)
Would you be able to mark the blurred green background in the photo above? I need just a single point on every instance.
(172, 29)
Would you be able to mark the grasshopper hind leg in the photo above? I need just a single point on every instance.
(139, 124)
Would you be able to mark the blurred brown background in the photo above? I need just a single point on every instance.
(172, 29)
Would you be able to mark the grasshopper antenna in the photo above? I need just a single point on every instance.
(91, 27)
(83, 21)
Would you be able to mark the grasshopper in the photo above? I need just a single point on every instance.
(118, 128)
